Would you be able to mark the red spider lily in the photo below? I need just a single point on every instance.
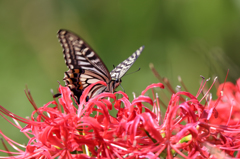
(66, 131)
(228, 105)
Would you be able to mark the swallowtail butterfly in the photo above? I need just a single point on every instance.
(86, 67)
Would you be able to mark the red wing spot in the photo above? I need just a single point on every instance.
(76, 71)
(80, 85)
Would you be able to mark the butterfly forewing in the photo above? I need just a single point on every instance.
(119, 71)
(78, 54)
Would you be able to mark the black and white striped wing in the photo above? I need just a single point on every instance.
(119, 71)
(85, 66)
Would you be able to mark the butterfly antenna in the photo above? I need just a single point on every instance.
(133, 72)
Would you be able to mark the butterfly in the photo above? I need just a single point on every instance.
(86, 67)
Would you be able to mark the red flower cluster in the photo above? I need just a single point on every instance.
(59, 129)
(227, 105)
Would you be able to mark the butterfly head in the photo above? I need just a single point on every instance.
(117, 82)
(113, 84)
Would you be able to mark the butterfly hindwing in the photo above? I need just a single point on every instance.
(85, 66)
(72, 80)
(119, 71)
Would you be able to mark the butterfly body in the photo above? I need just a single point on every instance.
(86, 67)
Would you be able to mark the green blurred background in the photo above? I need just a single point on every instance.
(186, 38)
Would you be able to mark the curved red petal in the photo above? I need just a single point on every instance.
(160, 85)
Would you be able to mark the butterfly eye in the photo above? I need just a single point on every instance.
(118, 80)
